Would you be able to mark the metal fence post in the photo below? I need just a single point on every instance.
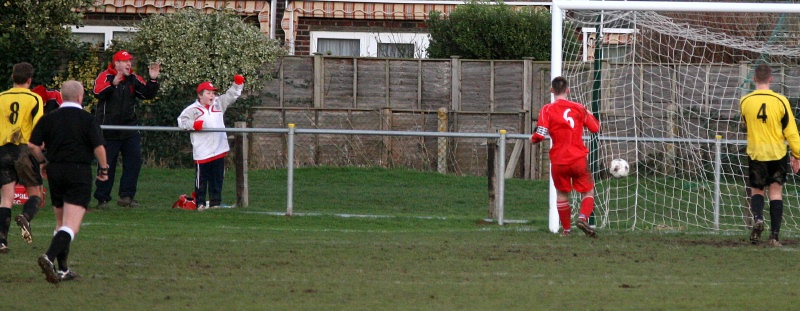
(242, 167)
(290, 171)
(491, 174)
(501, 180)
(717, 179)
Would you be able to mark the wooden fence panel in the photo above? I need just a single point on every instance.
(508, 86)
(476, 86)
(371, 83)
(338, 90)
(404, 84)
(298, 82)
(436, 76)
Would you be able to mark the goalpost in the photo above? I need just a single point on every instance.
(665, 79)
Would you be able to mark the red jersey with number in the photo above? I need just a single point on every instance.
(564, 121)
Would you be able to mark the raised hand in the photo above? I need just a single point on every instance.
(119, 77)
(155, 70)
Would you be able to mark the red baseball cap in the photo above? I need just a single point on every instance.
(48, 95)
(122, 55)
(206, 86)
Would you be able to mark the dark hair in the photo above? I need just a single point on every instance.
(21, 73)
(559, 85)
(763, 73)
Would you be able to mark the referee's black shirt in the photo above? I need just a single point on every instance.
(69, 133)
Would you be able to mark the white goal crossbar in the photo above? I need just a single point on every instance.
(677, 6)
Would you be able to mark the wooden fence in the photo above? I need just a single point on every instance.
(479, 96)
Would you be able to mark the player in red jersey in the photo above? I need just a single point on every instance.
(564, 121)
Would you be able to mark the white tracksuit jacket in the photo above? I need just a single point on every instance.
(208, 146)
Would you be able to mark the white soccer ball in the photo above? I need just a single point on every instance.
(619, 168)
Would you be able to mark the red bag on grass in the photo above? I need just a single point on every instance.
(185, 202)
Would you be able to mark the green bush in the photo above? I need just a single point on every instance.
(481, 30)
(33, 32)
(193, 46)
(84, 68)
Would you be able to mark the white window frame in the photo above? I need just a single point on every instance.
(107, 31)
(369, 40)
(587, 31)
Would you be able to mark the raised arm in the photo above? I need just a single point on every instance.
(146, 88)
(232, 93)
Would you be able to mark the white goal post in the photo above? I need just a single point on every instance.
(665, 79)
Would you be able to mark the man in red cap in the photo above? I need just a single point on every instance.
(118, 91)
(209, 148)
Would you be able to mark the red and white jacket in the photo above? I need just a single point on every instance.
(209, 146)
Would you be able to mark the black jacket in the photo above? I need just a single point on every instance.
(117, 104)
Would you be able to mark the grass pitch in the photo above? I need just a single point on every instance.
(429, 250)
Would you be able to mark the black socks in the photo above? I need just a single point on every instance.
(775, 217)
(757, 206)
(775, 213)
(62, 259)
(60, 242)
(31, 207)
(5, 223)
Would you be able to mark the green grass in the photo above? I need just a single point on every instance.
(431, 252)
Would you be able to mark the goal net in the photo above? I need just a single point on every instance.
(666, 87)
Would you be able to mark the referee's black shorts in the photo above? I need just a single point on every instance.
(70, 183)
(765, 173)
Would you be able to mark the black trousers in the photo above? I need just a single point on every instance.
(209, 176)
(131, 150)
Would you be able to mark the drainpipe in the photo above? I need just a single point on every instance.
(272, 11)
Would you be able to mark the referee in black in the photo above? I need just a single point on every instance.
(73, 139)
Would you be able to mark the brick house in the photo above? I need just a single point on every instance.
(388, 28)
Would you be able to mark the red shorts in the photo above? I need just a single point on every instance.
(575, 175)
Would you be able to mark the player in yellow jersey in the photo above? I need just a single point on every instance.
(20, 109)
(770, 124)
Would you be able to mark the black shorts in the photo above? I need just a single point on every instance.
(764, 173)
(70, 183)
(8, 157)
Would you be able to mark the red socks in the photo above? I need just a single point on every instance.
(564, 214)
(587, 206)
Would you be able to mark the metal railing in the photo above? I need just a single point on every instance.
(291, 131)
(501, 138)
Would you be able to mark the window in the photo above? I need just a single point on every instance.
(95, 39)
(339, 47)
(396, 50)
(370, 44)
(102, 35)
(122, 35)
(616, 43)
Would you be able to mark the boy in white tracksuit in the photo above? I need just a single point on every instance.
(209, 148)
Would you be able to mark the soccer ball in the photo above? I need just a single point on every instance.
(619, 168)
